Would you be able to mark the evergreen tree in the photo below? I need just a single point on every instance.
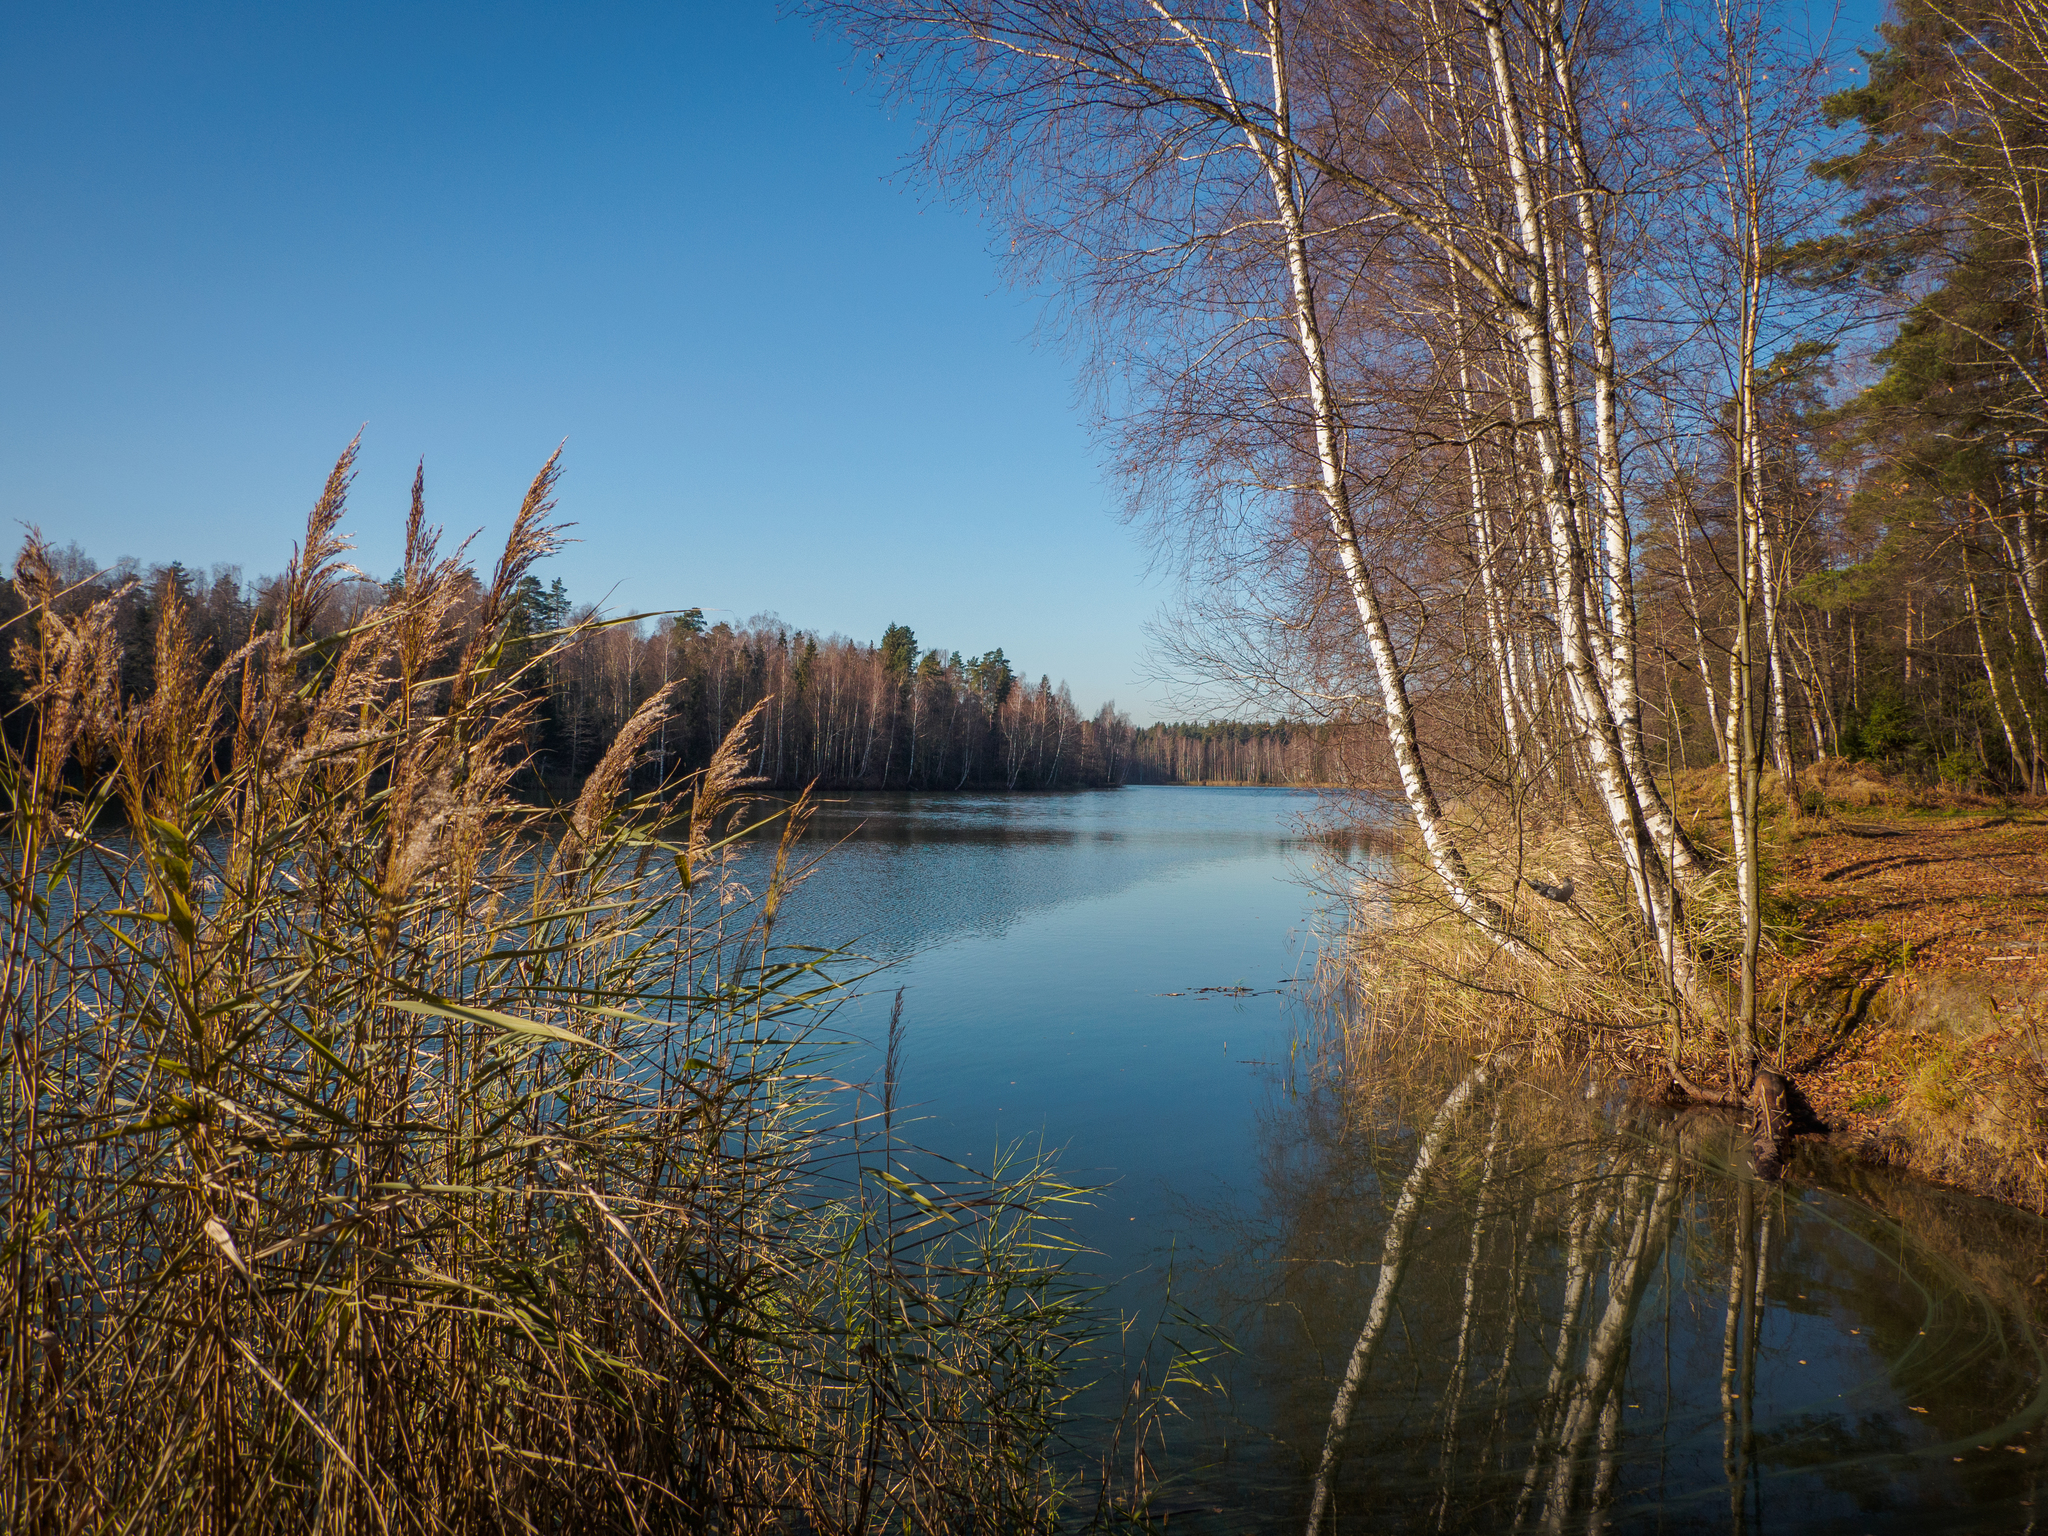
(899, 652)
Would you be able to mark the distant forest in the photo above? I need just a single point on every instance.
(841, 713)
(1255, 752)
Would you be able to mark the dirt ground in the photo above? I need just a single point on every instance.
(1912, 986)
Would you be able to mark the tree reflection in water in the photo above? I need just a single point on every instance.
(1511, 1309)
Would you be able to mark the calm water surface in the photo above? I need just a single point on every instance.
(1577, 1316)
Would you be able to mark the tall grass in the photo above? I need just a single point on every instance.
(1591, 980)
(383, 1154)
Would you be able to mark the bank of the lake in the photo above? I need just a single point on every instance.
(1534, 1318)
(1912, 979)
(1902, 983)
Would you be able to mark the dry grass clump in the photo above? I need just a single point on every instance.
(385, 1155)
(1583, 973)
(1971, 1106)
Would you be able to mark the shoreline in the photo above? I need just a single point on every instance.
(1913, 987)
(1903, 993)
(1224, 784)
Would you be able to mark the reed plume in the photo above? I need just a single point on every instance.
(386, 1154)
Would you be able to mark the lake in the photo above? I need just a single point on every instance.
(1578, 1314)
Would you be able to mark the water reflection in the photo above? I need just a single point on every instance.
(1575, 1315)
(904, 873)
(1498, 1307)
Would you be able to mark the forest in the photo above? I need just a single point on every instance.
(1292, 753)
(838, 713)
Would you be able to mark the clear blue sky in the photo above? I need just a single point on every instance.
(672, 234)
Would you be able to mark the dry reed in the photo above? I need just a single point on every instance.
(385, 1155)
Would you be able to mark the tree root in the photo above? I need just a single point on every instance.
(1772, 1105)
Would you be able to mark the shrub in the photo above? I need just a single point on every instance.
(1960, 769)
(1883, 732)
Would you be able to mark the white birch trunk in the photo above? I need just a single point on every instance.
(1699, 643)
(2012, 741)
(1531, 321)
(2022, 549)
(1438, 842)
(1781, 738)
(1624, 698)
(2019, 697)
(1492, 607)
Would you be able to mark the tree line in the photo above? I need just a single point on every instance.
(836, 712)
(1299, 754)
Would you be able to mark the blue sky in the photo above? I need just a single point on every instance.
(673, 235)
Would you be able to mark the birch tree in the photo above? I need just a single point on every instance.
(1235, 178)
